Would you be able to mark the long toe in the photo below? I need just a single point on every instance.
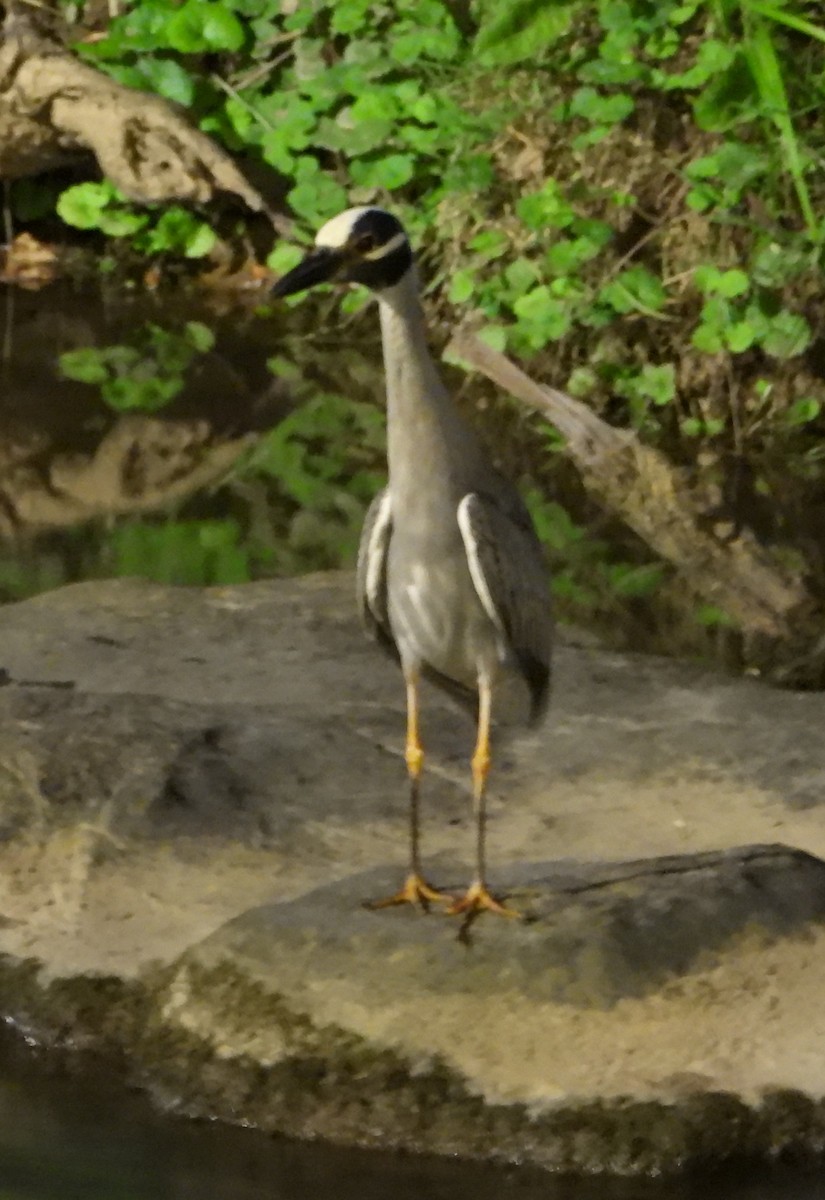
(478, 899)
(415, 891)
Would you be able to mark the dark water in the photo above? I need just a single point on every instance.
(70, 1137)
(166, 437)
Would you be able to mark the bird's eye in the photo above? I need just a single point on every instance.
(365, 242)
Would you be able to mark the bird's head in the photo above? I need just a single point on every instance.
(360, 245)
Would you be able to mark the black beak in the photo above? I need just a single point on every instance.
(319, 266)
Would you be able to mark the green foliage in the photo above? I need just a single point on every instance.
(180, 552)
(354, 102)
(101, 206)
(145, 374)
(509, 33)
(587, 579)
(24, 572)
(306, 83)
(736, 327)
(321, 460)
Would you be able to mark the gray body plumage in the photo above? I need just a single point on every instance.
(451, 576)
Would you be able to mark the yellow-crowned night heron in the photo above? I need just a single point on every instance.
(451, 578)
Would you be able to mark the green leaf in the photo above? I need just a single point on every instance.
(740, 336)
(712, 616)
(635, 581)
(317, 199)
(493, 335)
(733, 283)
(729, 99)
(716, 312)
(121, 222)
(599, 109)
(82, 204)
(462, 285)
(199, 336)
(348, 16)
(407, 48)
(706, 277)
(582, 382)
(710, 280)
(520, 275)
(284, 257)
(788, 335)
(545, 208)
(611, 72)
(521, 29)
(535, 304)
(802, 411)
(180, 232)
(380, 104)
(713, 57)
(388, 173)
(169, 79)
(85, 365)
(542, 317)
(707, 338)
(774, 265)
(635, 289)
(199, 25)
(489, 244)
(184, 30)
(353, 139)
(130, 392)
(199, 241)
(658, 382)
(570, 254)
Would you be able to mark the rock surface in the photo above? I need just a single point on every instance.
(199, 787)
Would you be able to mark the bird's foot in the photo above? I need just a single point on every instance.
(415, 891)
(476, 900)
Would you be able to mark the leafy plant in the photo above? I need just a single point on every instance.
(145, 374)
(180, 552)
(680, 296)
(321, 459)
(101, 206)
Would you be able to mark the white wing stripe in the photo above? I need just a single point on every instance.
(376, 552)
(473, 561)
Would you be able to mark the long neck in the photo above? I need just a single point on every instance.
(424, 429)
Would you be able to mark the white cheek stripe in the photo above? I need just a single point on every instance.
(388, 247)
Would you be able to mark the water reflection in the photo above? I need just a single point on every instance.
(67, 1138)
(87, 441)
(138, 438)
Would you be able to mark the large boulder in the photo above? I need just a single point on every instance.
(198, 788)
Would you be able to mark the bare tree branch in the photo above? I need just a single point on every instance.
(749, 581)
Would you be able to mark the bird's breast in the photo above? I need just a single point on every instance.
(436, 616)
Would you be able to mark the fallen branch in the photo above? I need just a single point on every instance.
(769, 601)
(54, 109)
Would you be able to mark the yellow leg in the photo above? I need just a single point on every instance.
(478, 898)
(415, 889)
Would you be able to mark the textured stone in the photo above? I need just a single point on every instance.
(199, 787)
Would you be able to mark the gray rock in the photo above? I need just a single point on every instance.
(199, 787)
